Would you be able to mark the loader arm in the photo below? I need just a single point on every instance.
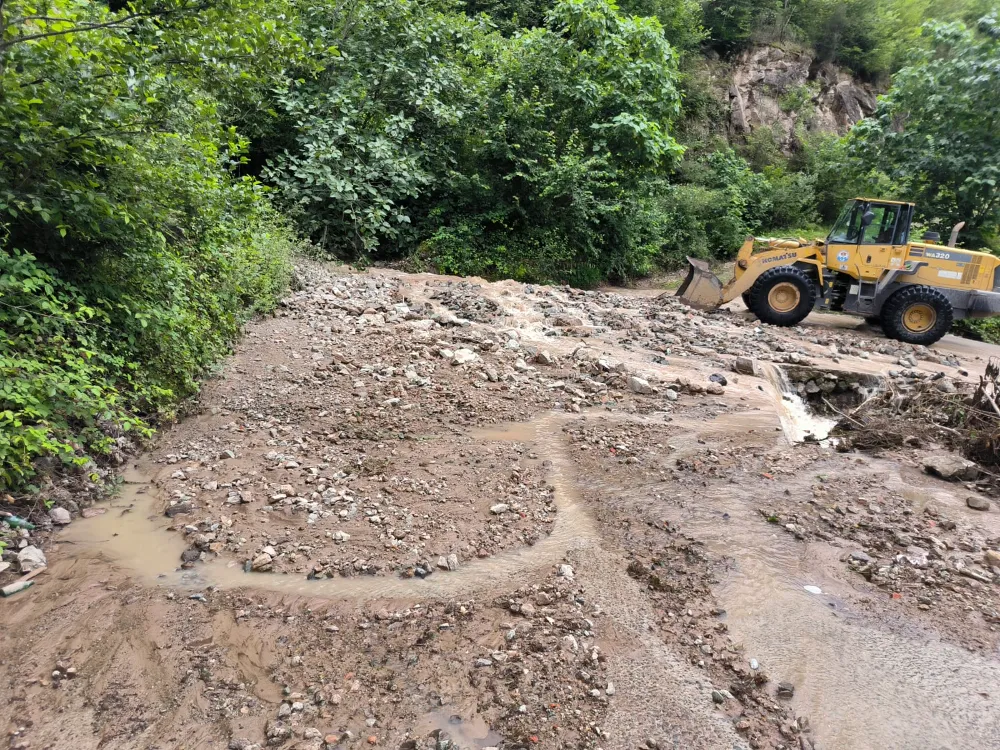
(703, 290)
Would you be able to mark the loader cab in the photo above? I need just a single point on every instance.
(869, 237)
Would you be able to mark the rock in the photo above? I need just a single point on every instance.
(464, 356)
(261, 562)
(566, 321)
(638, 385)
(190, 555)
(452, 561)
(718, 377)
(528, 610)
(945, 385)
(566, 571)
(786, 690)
(860, 557)
(992, 558)
(670, 394)
(916, 556)
(977, 574)
(178, 509)
(610, 689)
(31, 558)
(544, 358)
(59, 516)
(743, 365)
(718, 697)
(978, 503)
(499, 508)
(951, 467)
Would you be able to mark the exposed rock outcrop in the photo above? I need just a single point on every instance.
(771, 86)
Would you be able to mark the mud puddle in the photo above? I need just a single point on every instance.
(468, 731)
(135, 535)
(861, 683)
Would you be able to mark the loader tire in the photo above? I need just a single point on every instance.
(746, 299)
(874, 321)
(782, 296)
(917, 314)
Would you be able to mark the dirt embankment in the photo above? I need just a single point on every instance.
(418, 512)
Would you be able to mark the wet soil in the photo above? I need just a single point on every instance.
(415, 511)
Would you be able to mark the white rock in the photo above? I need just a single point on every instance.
(464, 356)
(638, 385)
(566, 571)
(499, 508)
(31, 558)
(59, 516)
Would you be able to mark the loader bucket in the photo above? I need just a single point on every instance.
(701, 289)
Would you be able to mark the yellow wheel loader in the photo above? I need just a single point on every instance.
(867, 266)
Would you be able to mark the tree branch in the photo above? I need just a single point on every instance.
(75, 30)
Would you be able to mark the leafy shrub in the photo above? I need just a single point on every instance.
(129, 253)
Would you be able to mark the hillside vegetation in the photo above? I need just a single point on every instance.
(161, 161)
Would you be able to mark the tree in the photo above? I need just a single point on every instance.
(936, 131)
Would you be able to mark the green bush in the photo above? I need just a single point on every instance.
(130, 254)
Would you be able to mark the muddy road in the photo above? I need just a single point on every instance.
(421, 512)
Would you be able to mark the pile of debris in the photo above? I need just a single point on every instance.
(966, 420)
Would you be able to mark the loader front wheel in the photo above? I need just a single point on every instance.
(782, 296)
(917, 315)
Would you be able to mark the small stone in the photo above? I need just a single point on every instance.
(566, 571)
(786, 690)
(527, 609)
(261, 562)
(610, 689)
(638, 385)
(861, 557)
(452, 562)
(177, 509)
(951, 467)
(670, 394)
(59, 516)
(30, 558)
(978, 503)
(718, 697)
(464, 356)
(499, 508)
(718, 377)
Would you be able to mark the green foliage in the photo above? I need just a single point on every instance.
(981, 329)
(129, 253)
(936, 132)
(519, 155)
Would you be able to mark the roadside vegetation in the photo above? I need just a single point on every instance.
(160, 163)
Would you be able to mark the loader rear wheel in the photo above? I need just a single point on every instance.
(917, 315)
(782, 296)
(874, 321)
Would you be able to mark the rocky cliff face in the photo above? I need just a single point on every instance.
(770, 86)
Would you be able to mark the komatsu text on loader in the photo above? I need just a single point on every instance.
(867, 266)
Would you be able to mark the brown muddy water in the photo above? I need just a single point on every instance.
(862, 683)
